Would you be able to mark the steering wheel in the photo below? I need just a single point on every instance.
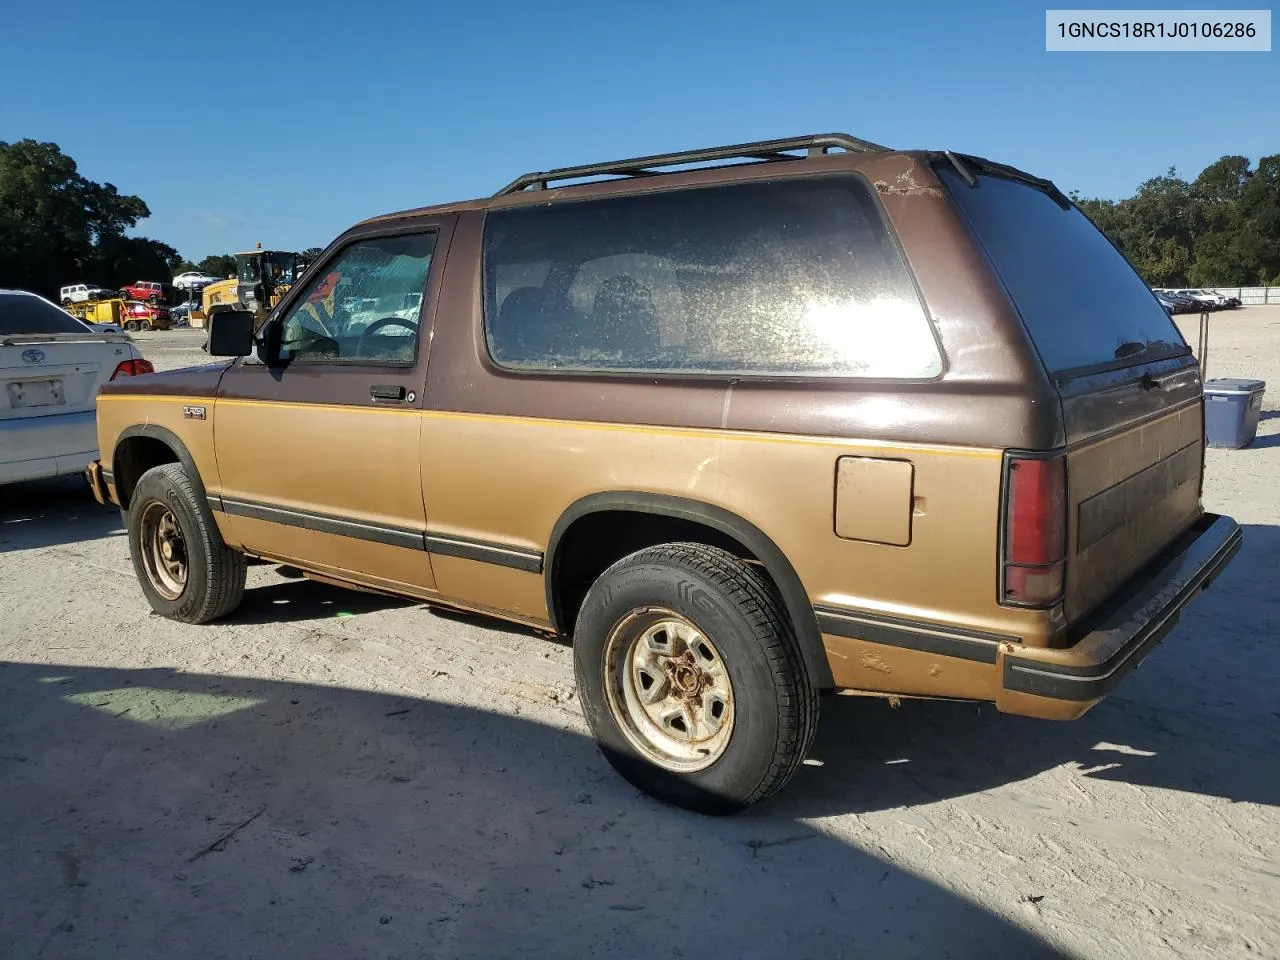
(379, 324)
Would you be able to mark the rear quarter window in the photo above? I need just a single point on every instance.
(21, 314)
(794, 277)
(1083, 305)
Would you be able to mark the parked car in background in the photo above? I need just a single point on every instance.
(1207, 299)
(81, 292)
(1181, 302)
(744, 433)
(180, 315)
(51, 366)
(1166, 301)
(147, 290)
(146, 316)
(193, 280)
(1225, 302)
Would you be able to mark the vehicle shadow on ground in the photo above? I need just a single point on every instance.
(155, 813)
(1198, 715)
(301, 599)
(1201, 715)
(51, 513)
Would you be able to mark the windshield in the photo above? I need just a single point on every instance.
(21, 313)
(1037, 248)
(248, 267)
(278, 267)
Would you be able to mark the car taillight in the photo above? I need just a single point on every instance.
(133, 368)
(1035, 531)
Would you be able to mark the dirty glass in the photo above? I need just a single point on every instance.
(365, 306)
(796, 277)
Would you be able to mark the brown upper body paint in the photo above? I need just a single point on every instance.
(876, 506)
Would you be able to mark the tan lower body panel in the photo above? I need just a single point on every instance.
(862, 665)
(476, 585)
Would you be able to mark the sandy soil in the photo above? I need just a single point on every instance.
(331, 774)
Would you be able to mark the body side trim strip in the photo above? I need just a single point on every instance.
(407, 537)
(911, 634)
(485, 552)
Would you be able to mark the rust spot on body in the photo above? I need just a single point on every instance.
(872, 662)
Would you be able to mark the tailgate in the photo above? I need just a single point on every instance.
(1134, 487)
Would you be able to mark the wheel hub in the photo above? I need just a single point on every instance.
(164, 551)
(669, 689)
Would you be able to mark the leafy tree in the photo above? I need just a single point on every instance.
(58, 227)
(311, 253)
(218, 265)
(1223, 228)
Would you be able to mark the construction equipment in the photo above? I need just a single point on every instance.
(111, 310)
(262, 278)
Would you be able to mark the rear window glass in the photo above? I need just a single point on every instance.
(1081, 302)
(20, 314)
(785, 278)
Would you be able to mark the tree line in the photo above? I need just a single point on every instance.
(1220, 229)
(58, 227)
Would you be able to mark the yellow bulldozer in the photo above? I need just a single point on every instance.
(262, 278)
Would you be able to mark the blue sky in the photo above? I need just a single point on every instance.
(286, 122)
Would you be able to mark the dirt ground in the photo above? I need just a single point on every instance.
(335, 775)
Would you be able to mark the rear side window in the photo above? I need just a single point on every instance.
(1083, 305)
(784, 278)
(20, 314)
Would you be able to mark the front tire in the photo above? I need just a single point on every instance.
(692, 679)
(185, 569)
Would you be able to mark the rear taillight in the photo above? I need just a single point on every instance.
(1035, 531)
(133, 368)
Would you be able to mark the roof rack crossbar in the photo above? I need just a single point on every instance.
(764, 150)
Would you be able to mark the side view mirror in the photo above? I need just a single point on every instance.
(230, 331)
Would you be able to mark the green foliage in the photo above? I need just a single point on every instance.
(311, 253)
(58, 227)
(1222, 229)
(220, 265)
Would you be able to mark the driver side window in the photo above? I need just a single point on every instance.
(363, 307)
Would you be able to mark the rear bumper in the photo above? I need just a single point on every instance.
(32, 448)
(1063, 682)
(99, 478)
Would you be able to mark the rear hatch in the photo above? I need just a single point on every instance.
(1129, 386)
(50, 363)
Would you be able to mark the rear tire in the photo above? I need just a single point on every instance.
(674, 643)
(185, 569)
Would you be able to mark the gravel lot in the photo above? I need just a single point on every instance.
(332, 774)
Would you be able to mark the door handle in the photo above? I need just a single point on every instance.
(386, 391)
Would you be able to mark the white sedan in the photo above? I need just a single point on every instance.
(51, 366)
(193, 280)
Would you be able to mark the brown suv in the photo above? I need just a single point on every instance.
(816, 420)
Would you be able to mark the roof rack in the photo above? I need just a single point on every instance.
(763, 150)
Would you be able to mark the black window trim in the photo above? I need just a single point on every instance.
(676, 376)
(331, 255)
